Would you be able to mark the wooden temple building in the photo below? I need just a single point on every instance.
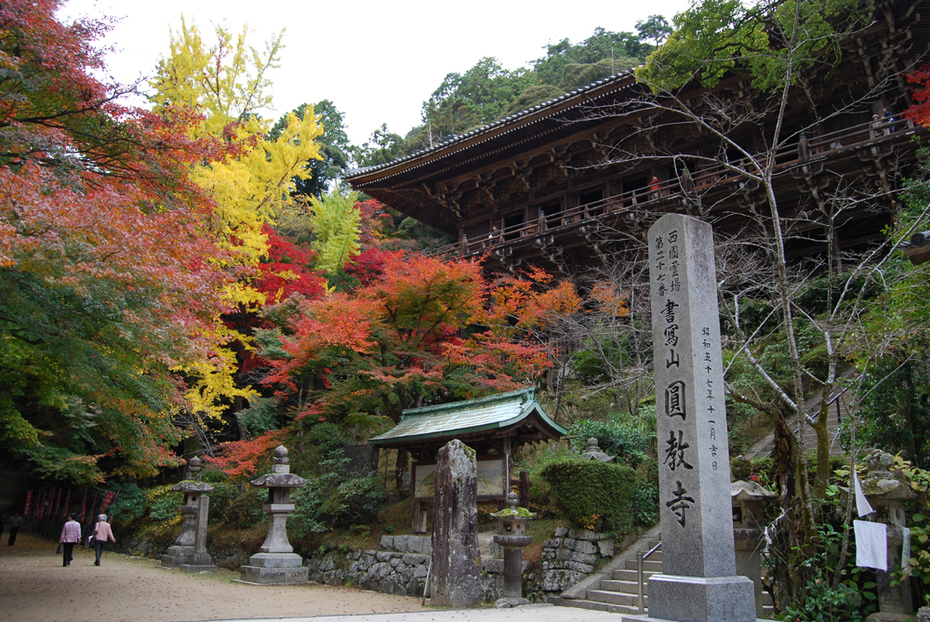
(493, 426)
(560, 184)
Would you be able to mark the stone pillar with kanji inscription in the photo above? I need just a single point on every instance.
(698, 581)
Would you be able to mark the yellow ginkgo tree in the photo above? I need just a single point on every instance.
(226, 83)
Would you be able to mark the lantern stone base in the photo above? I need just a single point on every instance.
(275, 569)
(177, 555)
(198, 562)
(195, 568)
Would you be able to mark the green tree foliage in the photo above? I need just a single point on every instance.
(570, 66)
(771, 39)
(336, 231)
(655, 29)
(334, 497)
(384, 146)
(487, 92)
(532, 96)
(894, 411)
(466, 101)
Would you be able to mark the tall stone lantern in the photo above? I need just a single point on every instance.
(189, 552)
(749, 500)
(276, 563)
(511, 536)
(888, 496)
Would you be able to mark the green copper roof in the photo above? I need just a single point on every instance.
(459, 418)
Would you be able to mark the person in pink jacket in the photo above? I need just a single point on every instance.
(102, 533)
(70, 535)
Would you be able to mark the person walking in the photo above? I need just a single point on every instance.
(15, 522)
(102, 533)
(70, 535)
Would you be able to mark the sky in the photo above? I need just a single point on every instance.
(376, 61)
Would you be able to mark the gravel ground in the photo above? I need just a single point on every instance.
(34, 587)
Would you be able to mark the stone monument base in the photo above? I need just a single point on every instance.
(275, 569)
(699, 599)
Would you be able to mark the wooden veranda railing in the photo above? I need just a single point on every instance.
(790, 157)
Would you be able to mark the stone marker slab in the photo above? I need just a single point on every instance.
(699, 582)
(455, 580)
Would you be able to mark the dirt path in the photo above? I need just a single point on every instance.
(34, 587)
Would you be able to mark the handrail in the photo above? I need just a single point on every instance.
(639, 573)
(788, 157)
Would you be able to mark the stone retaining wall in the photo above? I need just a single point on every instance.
(569, 557)
(402, 565)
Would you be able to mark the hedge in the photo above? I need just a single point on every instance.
(594, 495)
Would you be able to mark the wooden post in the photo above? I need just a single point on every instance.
(524, 491)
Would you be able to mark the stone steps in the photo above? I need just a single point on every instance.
(618, 592)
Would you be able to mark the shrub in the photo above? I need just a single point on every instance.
(222, 495)
(645, 503)
(260, 417)
(595, 495)
(364, 498)
(624, 441)
(327, 436)
(162, 503)
(825, 604)
(335, 498)
(129, 505)
(245, 509)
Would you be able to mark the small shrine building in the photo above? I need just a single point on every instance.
(493, 426)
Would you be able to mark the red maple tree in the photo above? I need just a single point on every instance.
(110, 272)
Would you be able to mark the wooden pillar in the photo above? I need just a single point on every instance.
(524, 490)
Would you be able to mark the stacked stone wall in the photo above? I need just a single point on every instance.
(402, 565)
(399, 568)
(569, 557)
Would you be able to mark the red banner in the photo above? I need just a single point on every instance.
(107, 500)
(28, 503)
(54, 512)
(64, 512)
(40, 505)
(83, 507)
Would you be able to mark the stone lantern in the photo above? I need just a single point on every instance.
(189, 552)
(276, 563)
(748, 499)
(593, 452)
(888, 496)
(511, 536)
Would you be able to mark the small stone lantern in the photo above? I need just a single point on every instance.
(511, 536)
(189, 552)
(887, 495)
(276, 563)
(593, 452)
(748, 499)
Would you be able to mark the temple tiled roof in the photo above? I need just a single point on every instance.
(495, 414)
